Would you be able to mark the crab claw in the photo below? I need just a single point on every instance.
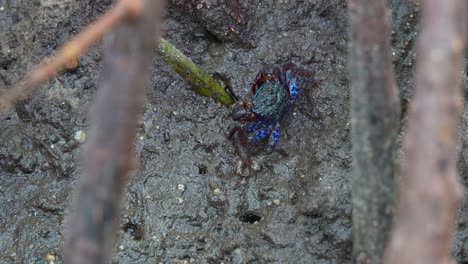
(240, 112)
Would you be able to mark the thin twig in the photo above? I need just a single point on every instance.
(202, 82)
(107, 154)
(375, 109)
(68, 53)
(429, 188)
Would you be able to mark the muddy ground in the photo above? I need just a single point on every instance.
(187, 203)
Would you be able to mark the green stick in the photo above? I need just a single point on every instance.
(202, 82)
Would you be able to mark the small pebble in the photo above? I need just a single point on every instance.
(50, 258)
(166, 136)
(244, 172)
(255, 166)
(216, 191)
(277, 201)
(121, 247)
(80, 136)
(2, 8)
(181, 200)
(181, 187)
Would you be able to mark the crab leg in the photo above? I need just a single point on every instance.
(241, 134)
(260, 134)
(252, 127)
(293, 86)
(275, 135)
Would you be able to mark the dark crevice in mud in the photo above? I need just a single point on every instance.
(133, 229)
(250, 217)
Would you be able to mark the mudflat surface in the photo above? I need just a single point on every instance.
(188, 202)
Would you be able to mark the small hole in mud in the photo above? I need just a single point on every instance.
(202, 169)
(134, 230)
(250, 217)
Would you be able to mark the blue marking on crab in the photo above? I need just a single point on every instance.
(293, 89)
(261, 134)
(274, 137)
(252, 127)
(273, 91)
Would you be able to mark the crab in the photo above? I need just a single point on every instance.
(273, 93)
